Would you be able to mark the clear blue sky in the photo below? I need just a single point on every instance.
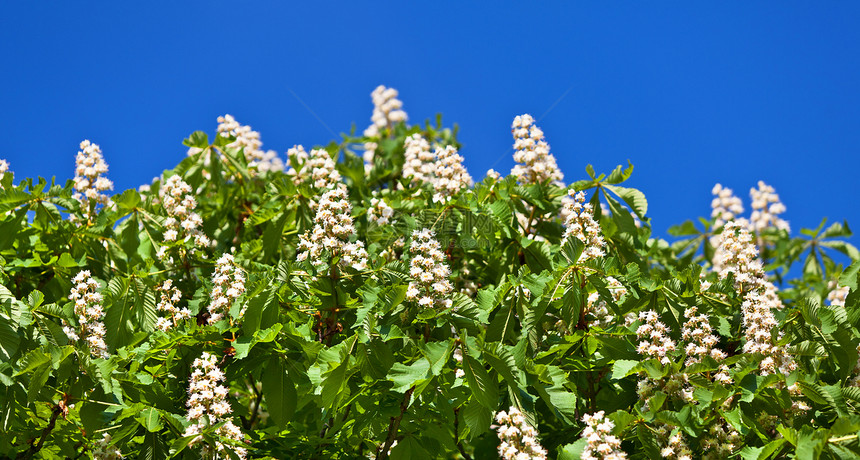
(728, 92)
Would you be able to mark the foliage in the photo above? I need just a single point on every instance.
(330, 361)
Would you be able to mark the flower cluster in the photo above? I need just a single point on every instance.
(89, 180)
(458, 356)
(179, 204)
(674, 445)
(725, 206)
(330, 235)
(451, 176)
(387, 110)
(317, 169)
(720, 442)
(537, 165)
(601, 443)
(766, 208)
(379, 212)
(701, 342)
(430, 285)
(169, 297)
(598, 306)
(654, 336)
(420, 162)
(699, 337)
(103, 450)
(90, 314)
(229, 285)
(758, 322)
(249, 142)
(518, 438)
(837, 294)
(738, 255)
(4, 167)
(207, 405)
(580, 224)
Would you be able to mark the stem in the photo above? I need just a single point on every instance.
(34, 448)
(393, 426)
(331, 319)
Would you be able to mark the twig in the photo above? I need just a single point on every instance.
(393, 426)
(34, 448)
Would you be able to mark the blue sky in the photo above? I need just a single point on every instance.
(692, 94)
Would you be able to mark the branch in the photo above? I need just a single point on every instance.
(393, 426)
(34, 448)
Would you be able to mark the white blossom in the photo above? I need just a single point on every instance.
(207, 405)
(738, 255)
(600, 442)
(654, 338)
(430, 285)
(317, 169)
(229, 281)
(725, 206)
(379, 212)
(4, 168)
(536, 164)
(103, 450)
(519, 440)
(182, 222)
(837, 294)
(720, 441)
(89, 313)
(766, 208)
(89, 181)
(387, 111)
(330, 236)
(249, 142)
(598, 307)
(169, 296)
(580, 224)
(419, 163)
(451, 176)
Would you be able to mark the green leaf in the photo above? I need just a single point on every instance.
(127, 201)
(572, 451)
(9, 339)
(622, 368)
(484, 388)
(405, 377)
(408, 449)
(634, 198)
(150, 418)
(279, 391)
(197, 139)
(437, 354)
(477, 418)
(37, 382)
(619, 174)
(849, 276)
